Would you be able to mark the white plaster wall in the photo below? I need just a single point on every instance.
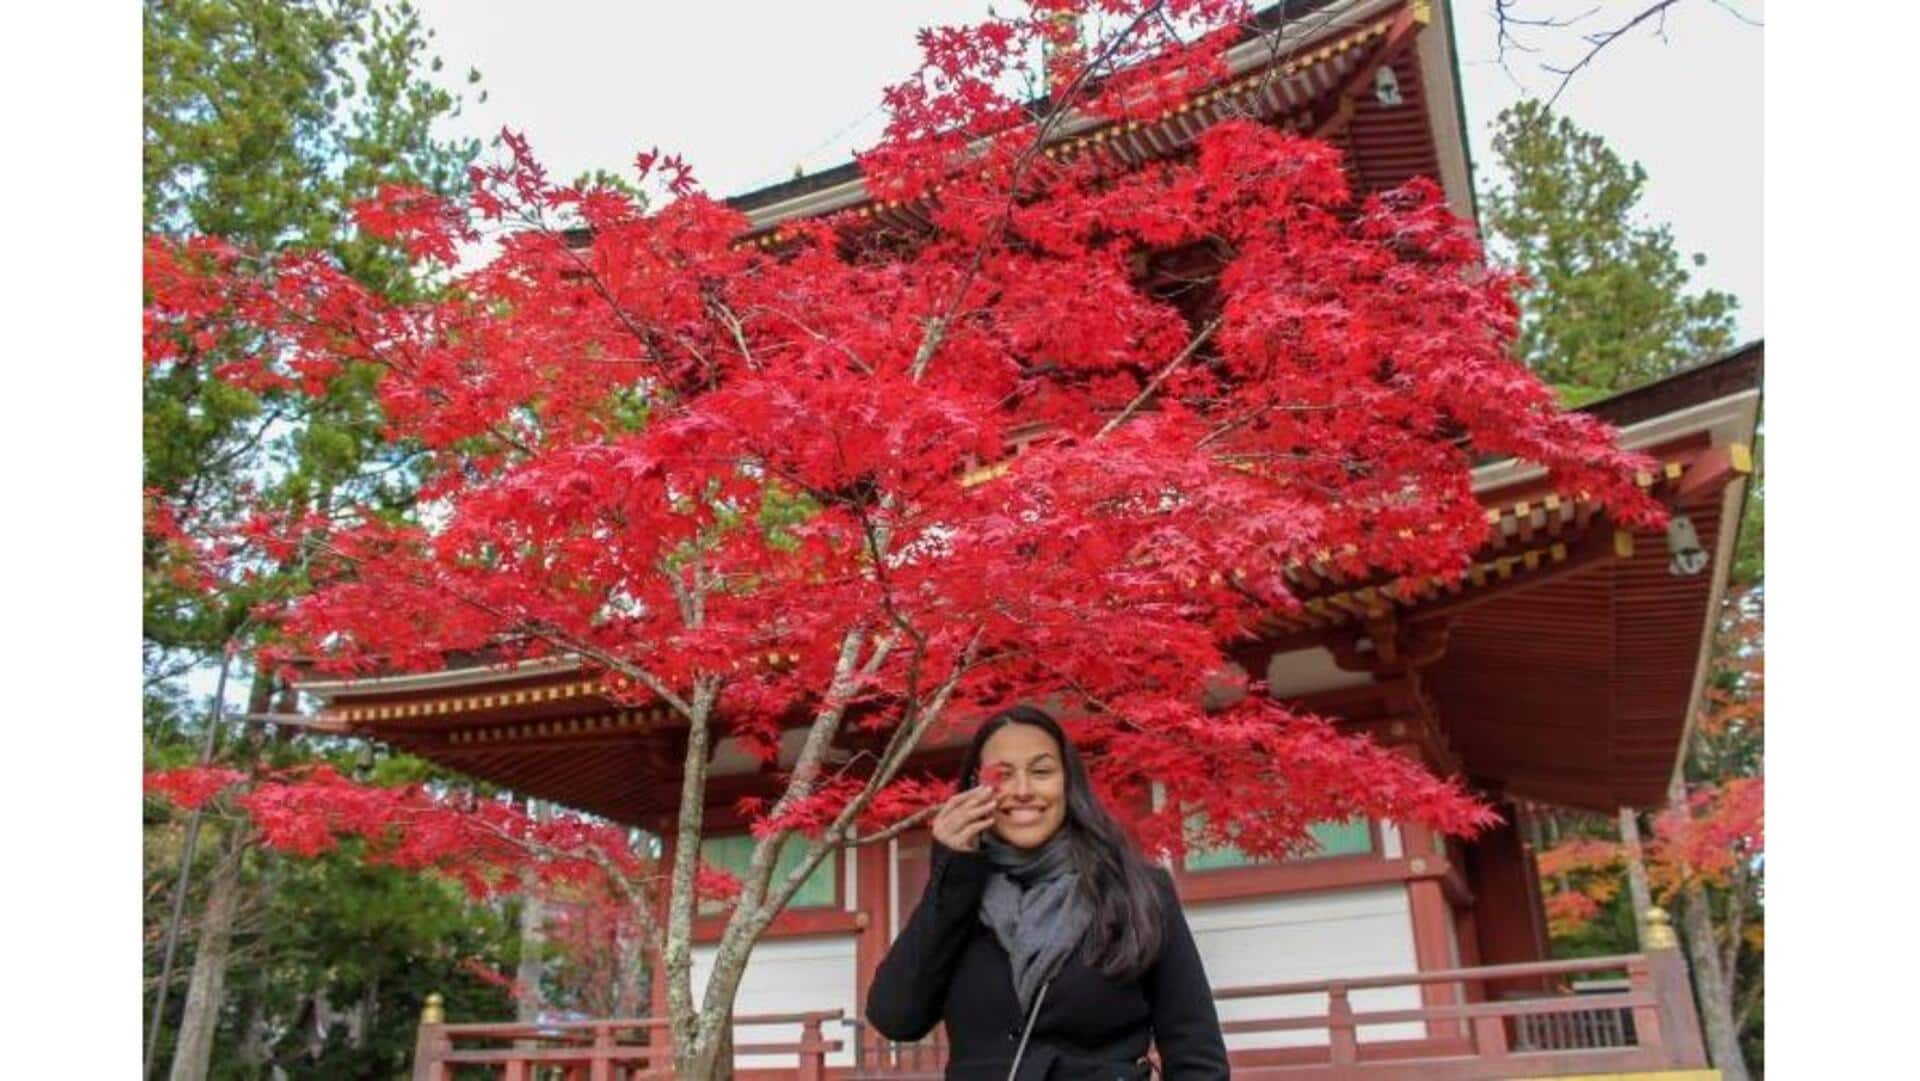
(789, 976)
(1337, 933)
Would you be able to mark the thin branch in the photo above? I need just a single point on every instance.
(860, 363)
(1159, 378)
(894, 830)
(1235, 425)
(905, 738)
(878, 540)
(938, 325)
(633, 890)
(1738, 14)
(734, 327)
(1600, 41)
(546, 633)
(1750, 1002)
(600, 287)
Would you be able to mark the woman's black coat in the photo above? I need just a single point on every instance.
(947, 965)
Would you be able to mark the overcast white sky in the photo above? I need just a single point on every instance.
(747, 91)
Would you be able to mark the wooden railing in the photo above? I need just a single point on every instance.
(1468, 1029)
(1649, 1024)
(613, 1050)
(876, 1056)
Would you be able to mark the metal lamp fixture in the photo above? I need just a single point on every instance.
(1685, 556)
(1386, 88)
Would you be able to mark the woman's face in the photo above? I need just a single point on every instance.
(1023, 763)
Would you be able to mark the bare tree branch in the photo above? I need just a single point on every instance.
(1510, 23)
(894, 830)
(1160, 377)
(1600, 41)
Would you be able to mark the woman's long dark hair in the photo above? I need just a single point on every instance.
(1116, 880)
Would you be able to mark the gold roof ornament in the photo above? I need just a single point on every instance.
(1659, 930)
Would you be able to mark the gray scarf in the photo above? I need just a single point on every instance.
(1034, 906)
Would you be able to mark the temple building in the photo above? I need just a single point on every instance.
(1563, 670)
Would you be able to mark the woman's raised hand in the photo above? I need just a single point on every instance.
(964, 817)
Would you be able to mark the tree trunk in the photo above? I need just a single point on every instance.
(209, 745)
(1718, 1013)
(206, 989)
(710, 1056)
(1638, 892)
(528, 1000)
(632, 981)
(714, 1060)
(321, 1032)
(255, 1045)
(362, 1023)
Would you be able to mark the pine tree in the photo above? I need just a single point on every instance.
(1608, 304)
(262, 121)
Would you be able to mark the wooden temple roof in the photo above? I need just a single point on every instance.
(1319, 80)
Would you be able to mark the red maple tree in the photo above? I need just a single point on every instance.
(656, 441)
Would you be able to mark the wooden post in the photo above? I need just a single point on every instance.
(874, 873)
(431, 1042)
(1667, 972)
(1343, 1039)
(1648, 1032)
(1490, 1037)
(603, 1047)
(1432, 928)
(813, 1051)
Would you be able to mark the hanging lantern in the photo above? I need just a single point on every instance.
(1685, 556)
(1386, 88)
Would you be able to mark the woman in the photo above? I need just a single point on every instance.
(1044, 940)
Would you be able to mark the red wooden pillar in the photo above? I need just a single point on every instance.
(874, 880)
(660, 1037)
(1434, 947)
(1505, 884)
(1468, 935)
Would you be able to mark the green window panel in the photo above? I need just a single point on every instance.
(734, 852)
(1353, 837)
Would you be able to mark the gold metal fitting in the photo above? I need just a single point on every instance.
(1659, 930)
